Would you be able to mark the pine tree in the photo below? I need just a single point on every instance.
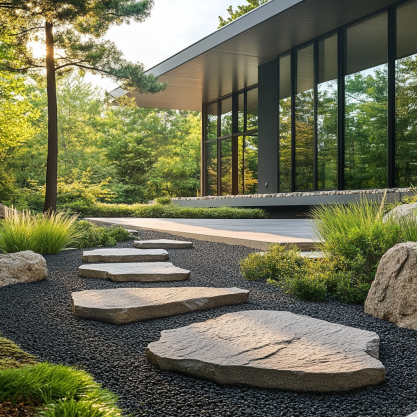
(241, 10)
(71, 31)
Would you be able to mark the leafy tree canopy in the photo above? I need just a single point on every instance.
(240, 11)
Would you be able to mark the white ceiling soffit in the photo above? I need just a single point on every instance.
(228, 59)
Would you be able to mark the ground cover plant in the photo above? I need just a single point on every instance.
(43, 389)
(164, 209)
(353, 238)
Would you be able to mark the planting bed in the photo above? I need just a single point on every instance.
(38, 317)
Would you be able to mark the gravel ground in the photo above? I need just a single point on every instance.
(38, 317)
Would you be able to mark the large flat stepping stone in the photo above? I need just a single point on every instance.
(272, 349)
(162, 244)
(141, 272)
(127, 305)
(125, 255)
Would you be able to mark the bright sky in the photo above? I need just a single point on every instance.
(173, 26)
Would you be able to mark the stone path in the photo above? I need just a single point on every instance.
(128, 305)
(125, 255)
(272, 349)
(162, 244)
(141, 272)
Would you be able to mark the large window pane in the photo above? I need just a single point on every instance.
(241, 112)
(226, 166)
(366, 104)
(211, 168)
(284, 124)
(248, 164)
(327, 114)
(211, 121)
(226, 117)
(304, 120)
(252, 109)
(406, 96)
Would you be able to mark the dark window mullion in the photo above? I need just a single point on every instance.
(278, 131)
(293, 111)
(316, 83)
(392, 56)
(341, 57)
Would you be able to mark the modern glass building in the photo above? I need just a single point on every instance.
(303, 95)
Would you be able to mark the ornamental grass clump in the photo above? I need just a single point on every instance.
(47, 233)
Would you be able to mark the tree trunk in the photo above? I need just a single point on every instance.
(52, 162)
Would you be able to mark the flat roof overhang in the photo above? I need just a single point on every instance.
(228, 59)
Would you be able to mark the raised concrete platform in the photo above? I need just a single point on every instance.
(128, 305)
(272, 349)
(162, 244)
(125, 255)
(256, 233)
(140, 272)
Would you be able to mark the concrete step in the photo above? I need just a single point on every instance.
(125, 255)
(140, 272)
(128, 305)
(162, 244)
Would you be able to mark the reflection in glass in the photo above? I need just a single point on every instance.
(248, 164)
(226, 117)
(285, 124)
(304, 120)
(226, 167)
(366, 104)
(241, 112)
(212, 121)
(406, 97)
(327, 115)
(252, 109)
(211, 168)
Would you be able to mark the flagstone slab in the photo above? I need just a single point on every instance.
(162, 244)
(141, 272)
(128, 305)
(272, 349)
(125, 255)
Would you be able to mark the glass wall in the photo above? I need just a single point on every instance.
(327, 116)
(406, 97)
(304, 120)
(284, 93)
(366, 101)
(238, 150)
(211, 168)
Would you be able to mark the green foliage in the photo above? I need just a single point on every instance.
(241, 10)
(90, 235)
(11, 356)
(164, 200)
(41, 233)
(305, 287)
(349, 289)
(51, 386)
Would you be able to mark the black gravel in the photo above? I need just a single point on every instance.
(38, 317)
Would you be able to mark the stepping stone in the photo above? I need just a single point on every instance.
(272, 349)
(141, 272)
(127, 305)
(162, 244)
(125, 255)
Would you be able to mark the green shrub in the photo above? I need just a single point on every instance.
(72, 408)
(163, 200)
(276, 264)
(41, 233)
(90, 235)
(51, 385)
(305, 286)
(349, 289)
(162, 211)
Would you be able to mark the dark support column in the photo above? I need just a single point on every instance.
(341, 39)
(203, 161)
(392, 56)
(219, 150)
(268, 128)
(235, 165)
(316, 100)
(293, 111)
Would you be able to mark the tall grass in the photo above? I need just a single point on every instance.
(41, 233)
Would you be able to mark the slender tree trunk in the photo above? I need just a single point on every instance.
(52, 162)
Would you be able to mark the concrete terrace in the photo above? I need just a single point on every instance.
(256, 233)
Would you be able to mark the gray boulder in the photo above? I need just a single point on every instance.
(393, 294)
(402, 211)
(22, 267)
